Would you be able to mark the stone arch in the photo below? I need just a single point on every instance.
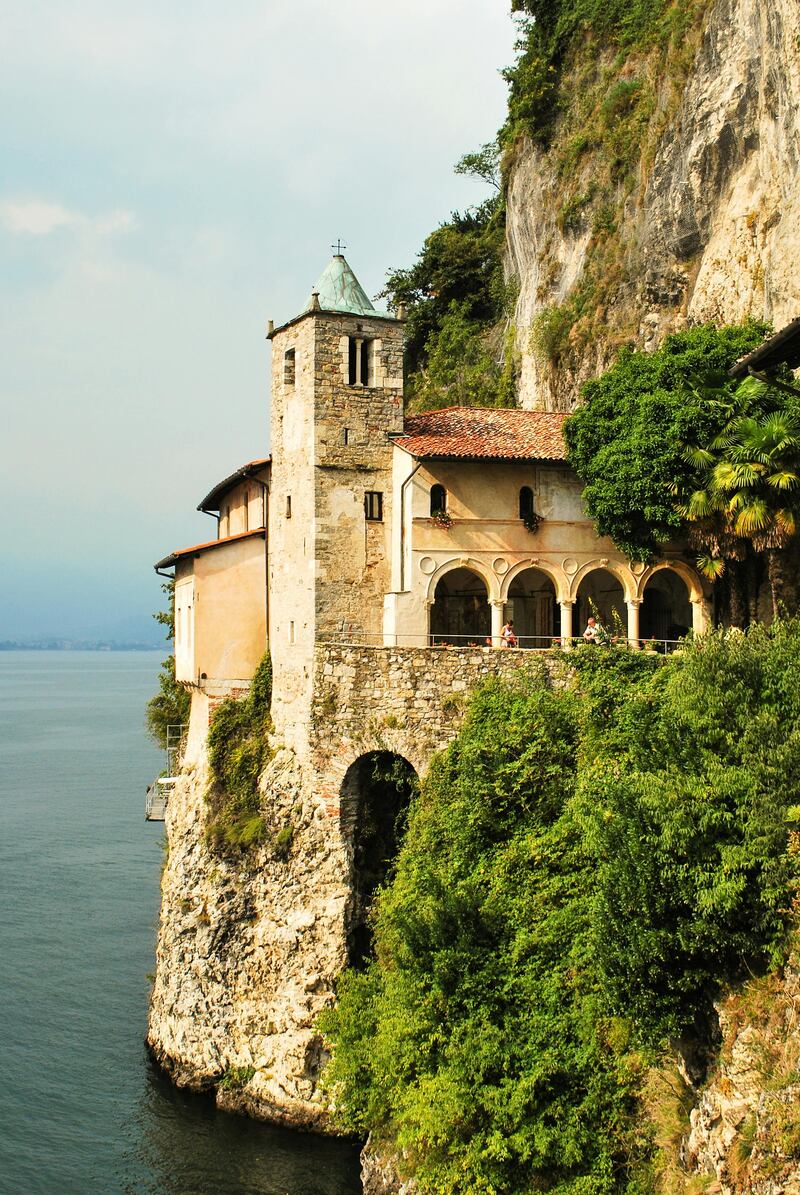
(672, 606)
(374, 800)
(532, 604)
(460, 604)
(615, 567)
(691, 578)
(594, 594)
(560, 583)
(474, 566)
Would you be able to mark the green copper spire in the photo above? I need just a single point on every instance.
(339, 290)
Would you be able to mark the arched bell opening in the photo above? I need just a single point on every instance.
(533, 607)
(601, 595)
(461, 613)
(375, 795)
(666, 611)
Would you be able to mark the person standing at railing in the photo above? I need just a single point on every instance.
(509, 639)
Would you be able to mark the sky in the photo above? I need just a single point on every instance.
(172, 175)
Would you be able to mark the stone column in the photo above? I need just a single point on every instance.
(701, 616)
(498, 609)
(633, 623)
(359, 351)
(566, 623)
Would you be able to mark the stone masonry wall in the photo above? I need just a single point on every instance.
(409, 700)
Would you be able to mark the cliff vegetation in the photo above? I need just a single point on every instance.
(586, 871)
(593, 87)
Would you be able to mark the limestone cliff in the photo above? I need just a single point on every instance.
(670, 192)
(249, 947)
(745, 1129)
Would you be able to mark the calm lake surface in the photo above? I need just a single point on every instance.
(82, 1112)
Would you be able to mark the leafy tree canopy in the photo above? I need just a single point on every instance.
(583, 871)
(459, 264)
(627, 440)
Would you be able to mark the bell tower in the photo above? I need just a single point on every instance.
(337, 395)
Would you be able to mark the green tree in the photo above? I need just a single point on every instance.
(457, 280)
(744, 498)
(626, 441)
(171, 704)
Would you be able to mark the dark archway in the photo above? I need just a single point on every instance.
(533, 606)
(666, 611)
(461, 613)
(601, 594)
(375, 796)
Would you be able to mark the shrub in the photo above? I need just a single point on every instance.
(238, 751)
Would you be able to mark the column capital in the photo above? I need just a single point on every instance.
(635, 602)
(567, 602)
(498, 602)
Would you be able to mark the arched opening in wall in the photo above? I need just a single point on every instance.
(375, 796)
(666, 612)
(600, 594)
(461, 614)
(533, 606)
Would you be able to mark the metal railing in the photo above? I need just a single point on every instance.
(157, 793)
(356, 638)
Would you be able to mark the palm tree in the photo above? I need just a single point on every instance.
(746, 503)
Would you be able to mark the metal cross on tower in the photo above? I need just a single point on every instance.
(337, 248)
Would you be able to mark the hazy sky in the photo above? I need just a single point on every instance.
(171, 175)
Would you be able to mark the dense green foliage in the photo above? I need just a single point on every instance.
(627, 440)
(238, 752)
(171, 704)
(583, 869)
(453, 295)
(550, 31)
(744, 495)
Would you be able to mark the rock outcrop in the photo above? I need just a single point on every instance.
(745, 1129)
(711, 229)
(248, 951)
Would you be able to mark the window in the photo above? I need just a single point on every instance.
(288, 506)
(525, 502)
(346, 435)
(288, 367)
(291, 632)
(373, 506)
(358, 358)
(438, 499)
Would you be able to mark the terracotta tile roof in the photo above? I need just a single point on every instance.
(213, 498)
(179, 553)
(473, 433)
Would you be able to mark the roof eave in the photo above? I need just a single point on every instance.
(379, 315)
(198, 549)
(207, 505)
(771, 354)
(449, 456)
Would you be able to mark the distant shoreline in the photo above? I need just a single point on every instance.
(77, 645)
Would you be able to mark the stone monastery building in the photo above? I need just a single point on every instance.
(370, 529)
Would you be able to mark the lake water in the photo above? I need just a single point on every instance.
(82, 1111)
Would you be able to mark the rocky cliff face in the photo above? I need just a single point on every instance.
(707, 220)
(249, 947)
(745, 1130)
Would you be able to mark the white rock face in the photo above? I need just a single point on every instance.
(248, 951)
(714, 234)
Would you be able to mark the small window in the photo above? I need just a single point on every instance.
(291, 632)
(373, 506)
(438, 499)
(288, 506)
(358, 359)
(346, 435)
(525, 502)
(288, 367)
